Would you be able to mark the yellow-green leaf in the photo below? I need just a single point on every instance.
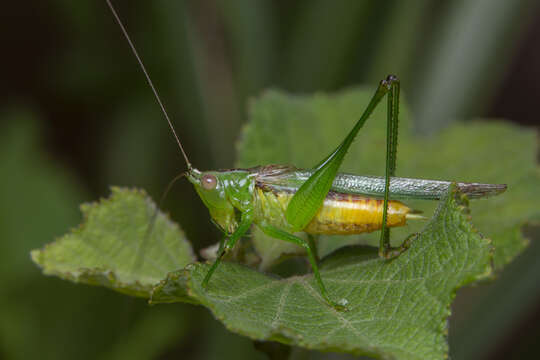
(113, 247)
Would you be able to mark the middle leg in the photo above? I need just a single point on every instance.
(277, 233)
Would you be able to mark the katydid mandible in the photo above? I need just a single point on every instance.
(282, 200)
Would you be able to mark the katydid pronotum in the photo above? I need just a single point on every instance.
(283, 200)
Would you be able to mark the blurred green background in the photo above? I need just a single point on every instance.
(77, 116)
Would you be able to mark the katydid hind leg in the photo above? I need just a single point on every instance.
(308, 199)
(395, 252)
(385, 250)
(285, 236)
(391, 154)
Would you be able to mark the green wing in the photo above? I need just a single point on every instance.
(290, 179)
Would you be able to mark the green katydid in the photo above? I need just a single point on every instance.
(283, 200)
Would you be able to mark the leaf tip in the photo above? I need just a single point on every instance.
(35, 256)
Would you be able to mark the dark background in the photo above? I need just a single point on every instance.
(76, 116)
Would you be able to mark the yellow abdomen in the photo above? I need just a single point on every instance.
(353, 214)
(340, 213)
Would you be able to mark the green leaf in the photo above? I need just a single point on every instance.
(397, 309)
(172, 289)
(112, 247)
(300, 130)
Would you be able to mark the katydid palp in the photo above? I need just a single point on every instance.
(283, 200)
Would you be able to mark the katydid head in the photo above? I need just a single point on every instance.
(223, 192)
(211, 187)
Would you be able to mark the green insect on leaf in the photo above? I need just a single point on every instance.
(405, 296)
(393, 304)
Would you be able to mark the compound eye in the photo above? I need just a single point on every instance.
(209, 182)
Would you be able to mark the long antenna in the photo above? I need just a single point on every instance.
(143, 68)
